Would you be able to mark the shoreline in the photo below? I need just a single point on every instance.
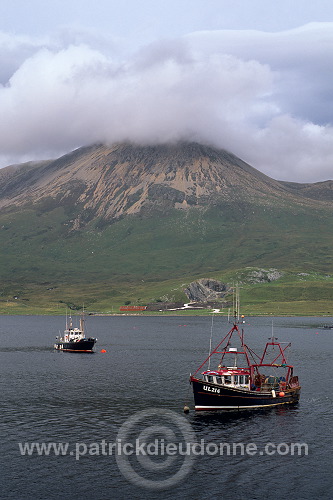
(173, 314)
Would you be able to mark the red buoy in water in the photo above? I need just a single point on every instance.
(103, 350)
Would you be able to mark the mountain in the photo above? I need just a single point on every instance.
(110, 217)
(126, 179)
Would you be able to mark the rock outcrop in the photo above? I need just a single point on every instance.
(263, 275)
(206, 290)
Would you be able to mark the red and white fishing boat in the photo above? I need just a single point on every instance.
(242, 379)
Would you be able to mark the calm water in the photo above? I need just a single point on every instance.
(49, 396)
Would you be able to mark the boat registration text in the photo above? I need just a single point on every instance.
(211, 389)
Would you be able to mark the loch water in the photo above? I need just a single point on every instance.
(139, 386)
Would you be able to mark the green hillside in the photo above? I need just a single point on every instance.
(48, 266)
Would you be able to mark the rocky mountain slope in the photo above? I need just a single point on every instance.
(112, 181)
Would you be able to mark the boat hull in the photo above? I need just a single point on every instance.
(85, 345)
(209, 397)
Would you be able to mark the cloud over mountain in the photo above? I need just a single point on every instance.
(264, 96)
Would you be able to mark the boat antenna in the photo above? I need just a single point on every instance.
(273, 337)
(236, 304)
(210, 341)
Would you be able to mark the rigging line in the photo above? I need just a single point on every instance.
(210, 341)
(272, 334)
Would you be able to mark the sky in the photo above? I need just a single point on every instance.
(250, 76)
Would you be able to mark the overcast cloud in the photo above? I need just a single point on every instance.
(264, 95)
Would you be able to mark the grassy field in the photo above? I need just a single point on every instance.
(291, 295)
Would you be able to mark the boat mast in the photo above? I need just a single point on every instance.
(210, 342)
(82, 324)
(82, 320)
(236, 304)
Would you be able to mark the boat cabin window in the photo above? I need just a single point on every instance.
(218, 380)
(210, 378)
(241, 379)
(227, 379)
